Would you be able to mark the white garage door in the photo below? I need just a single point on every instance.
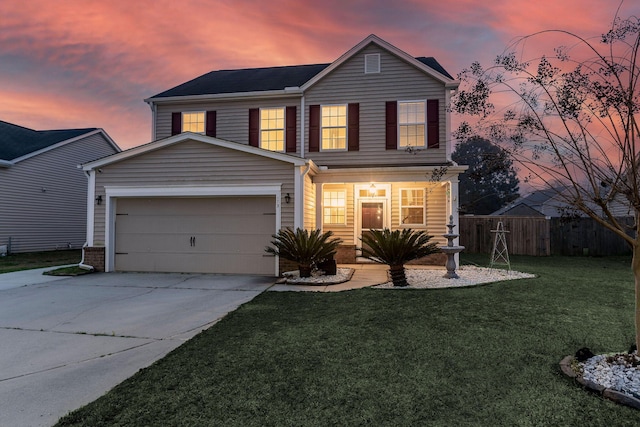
(195, 235)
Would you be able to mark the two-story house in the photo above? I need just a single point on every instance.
(236, 155)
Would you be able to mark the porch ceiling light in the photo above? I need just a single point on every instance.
(372, 190)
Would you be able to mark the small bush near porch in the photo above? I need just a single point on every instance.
(482, 356)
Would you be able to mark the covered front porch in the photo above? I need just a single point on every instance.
(350, 202)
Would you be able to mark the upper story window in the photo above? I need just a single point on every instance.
(412, 203)
(411, 124)
(334, 127)
(193, 122)
(334, 207)
(272, 129)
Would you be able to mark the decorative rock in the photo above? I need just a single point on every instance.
(616, 377)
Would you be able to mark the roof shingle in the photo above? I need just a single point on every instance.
(17, 141)
(260, 79)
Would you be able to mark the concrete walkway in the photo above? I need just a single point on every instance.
(17, 279)
(364, 275)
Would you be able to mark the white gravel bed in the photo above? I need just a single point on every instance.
(614, 372)
(469, 276)
(342, 275)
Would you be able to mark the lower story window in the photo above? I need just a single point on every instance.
(334, 207)
(412, 204)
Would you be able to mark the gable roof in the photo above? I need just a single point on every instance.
(17, 141)
(181, 137)
(251, 80)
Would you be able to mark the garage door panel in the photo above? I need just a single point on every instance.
(194, 263)
(208, 235)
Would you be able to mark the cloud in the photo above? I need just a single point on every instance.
(101, 59)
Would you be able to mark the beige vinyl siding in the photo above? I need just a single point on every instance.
(193, 163)
(309, 216)
(232, 117)
(345, 232)
(43, 199)
(435, 205)
(397, 81)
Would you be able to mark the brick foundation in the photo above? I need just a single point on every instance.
(286, 265)
(346, 254)
(94, 256)
(435, 259)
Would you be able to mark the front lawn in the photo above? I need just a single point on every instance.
(481, 356)
(27, 261)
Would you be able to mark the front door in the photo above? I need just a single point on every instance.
(372, 210)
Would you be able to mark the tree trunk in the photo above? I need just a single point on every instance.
(635, 264)
(397, 275)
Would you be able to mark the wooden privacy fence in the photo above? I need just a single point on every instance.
(540, 236)
(526, 235)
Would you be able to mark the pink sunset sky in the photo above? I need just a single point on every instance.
(81, 63)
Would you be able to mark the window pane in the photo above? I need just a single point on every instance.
(272, 129)
(334, 127)
(412, 216)
(334, 210)
(412, 206)
(193, 122)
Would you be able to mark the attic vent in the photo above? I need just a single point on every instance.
(372, 63)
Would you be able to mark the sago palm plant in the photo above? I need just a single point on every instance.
(304, 247)
(396, 248)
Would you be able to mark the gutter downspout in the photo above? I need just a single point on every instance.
(82, 265)
(302, 129)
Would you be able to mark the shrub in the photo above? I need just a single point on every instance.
(396, 248)
(304, 247)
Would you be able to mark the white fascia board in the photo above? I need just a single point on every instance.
(384, 174)
(175, 139)
(5, 164)
(68, 141)
(193, 191)
(289, 91)
(450, 83)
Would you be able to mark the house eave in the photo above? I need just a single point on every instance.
(388, 174)
(5, 164)
(293, 92)
(175, 139)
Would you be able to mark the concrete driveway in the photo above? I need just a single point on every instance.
(65, 342)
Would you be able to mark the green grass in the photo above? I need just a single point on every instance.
(26, 261)
(481, 356)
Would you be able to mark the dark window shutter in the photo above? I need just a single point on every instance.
(433, 124)
(254, 127)
(353, 131)
(210, 129)
(290, 133)
(391, 125)
(314, 128)
(176, 123)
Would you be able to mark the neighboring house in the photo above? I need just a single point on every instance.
(43, 192)
(550, 203)
(239, 154)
